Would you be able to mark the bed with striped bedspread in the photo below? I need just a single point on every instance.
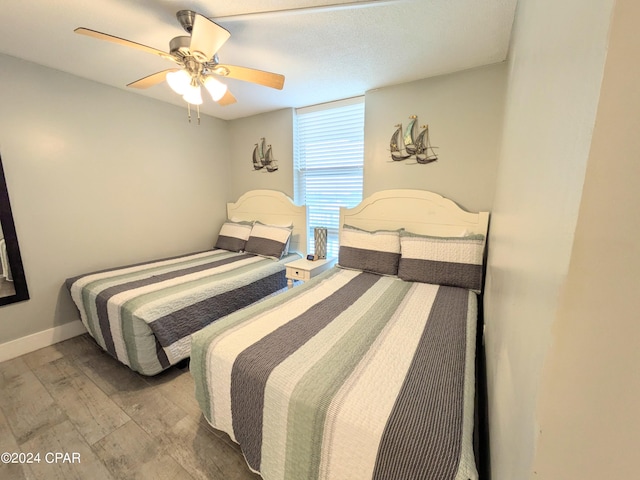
(349, 376)
(144, 314)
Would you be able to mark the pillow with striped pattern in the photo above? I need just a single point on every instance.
(233, 236)
(370, 251)
(268, 240)
(452, 261)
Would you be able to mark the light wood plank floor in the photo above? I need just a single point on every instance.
(73, 398)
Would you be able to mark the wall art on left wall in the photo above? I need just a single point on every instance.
(262, 157)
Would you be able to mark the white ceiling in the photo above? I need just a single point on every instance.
(325, 54)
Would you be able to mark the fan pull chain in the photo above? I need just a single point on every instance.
(189, 112)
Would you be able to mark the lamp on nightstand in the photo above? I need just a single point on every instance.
(320, 241)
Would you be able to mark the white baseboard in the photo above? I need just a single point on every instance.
(39, 340)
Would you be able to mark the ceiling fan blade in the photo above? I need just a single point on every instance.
(206, 38)
(268, 79)
(151, 80)
(227, 99)
(121, 41)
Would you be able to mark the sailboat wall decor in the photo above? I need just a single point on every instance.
(262, 157)
(412, 143)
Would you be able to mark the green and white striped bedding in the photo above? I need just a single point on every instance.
(350, 376)
(143, 315)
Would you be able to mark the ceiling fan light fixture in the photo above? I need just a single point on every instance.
(196, 56)
(179, 81)
(193, 95)
(215, 88)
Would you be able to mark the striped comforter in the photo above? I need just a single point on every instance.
(349, 376)
(144, 314)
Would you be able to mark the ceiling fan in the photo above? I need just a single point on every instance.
(197, 61)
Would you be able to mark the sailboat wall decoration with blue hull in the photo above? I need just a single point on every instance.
(412, 143)
(263, 157)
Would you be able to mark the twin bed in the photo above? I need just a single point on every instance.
(366, 371)
(143, 315)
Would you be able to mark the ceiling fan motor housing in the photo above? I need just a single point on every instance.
(180, 46)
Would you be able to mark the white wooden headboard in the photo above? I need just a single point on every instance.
(273, 208)
(417, 211)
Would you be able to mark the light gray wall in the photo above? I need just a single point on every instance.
(277, 129)
(588, 409)
(556, 66)
(100, 177)
(464, 114)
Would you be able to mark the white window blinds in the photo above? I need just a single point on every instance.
(328, 161)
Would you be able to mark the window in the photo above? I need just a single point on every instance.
(328, 161)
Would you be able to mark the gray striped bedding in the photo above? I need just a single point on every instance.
(143, 315)
(349, 376)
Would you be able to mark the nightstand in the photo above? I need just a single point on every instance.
(304, 269)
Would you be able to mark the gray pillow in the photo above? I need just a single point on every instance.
(453, 261)
(370, 251)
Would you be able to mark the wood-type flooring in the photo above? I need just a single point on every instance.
(88, 416)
